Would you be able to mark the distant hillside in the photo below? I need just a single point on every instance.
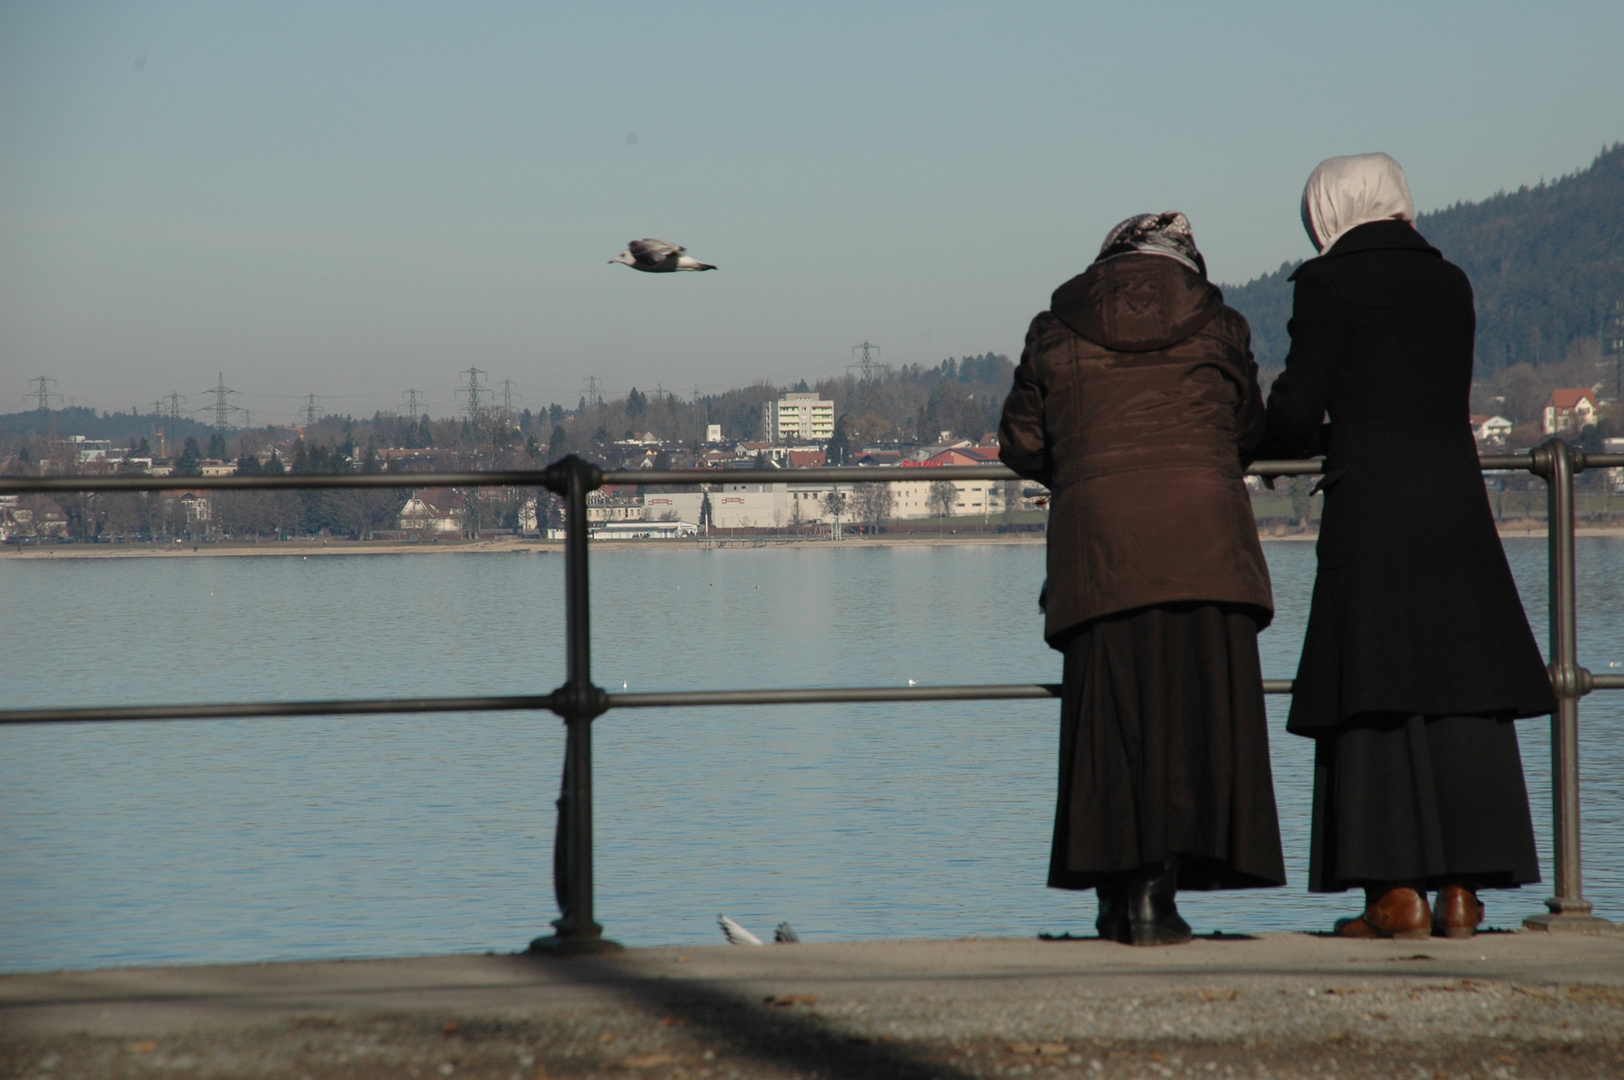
(120, 427)
(1546, 262)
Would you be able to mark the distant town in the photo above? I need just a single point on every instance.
(794, 430)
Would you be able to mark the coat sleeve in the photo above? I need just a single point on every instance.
(1249, 409)
(1022, 444)
(1298, 398)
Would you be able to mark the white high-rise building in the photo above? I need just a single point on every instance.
(798, 416)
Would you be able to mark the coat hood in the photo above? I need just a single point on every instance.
(1137, 303)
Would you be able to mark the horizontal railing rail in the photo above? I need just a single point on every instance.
(579, 702)
(547, 478)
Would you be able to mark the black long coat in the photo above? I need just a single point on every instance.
(1414, 607)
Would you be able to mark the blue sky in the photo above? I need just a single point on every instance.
(354, 199)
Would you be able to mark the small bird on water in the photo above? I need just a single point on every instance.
(658, 257)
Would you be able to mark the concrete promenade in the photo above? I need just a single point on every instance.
(1499, 1006)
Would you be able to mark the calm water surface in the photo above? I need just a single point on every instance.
(153, 843)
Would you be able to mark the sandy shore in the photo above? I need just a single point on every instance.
(307, 548)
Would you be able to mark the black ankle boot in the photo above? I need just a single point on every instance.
(1112, 921)
(1153, 917)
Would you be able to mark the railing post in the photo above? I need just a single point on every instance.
(579, 702)
(1569, 910)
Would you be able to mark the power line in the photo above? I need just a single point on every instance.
(472, 390)
(867, 365)
(312, 411)
(412, 402)
(45, 394)
(222, 405)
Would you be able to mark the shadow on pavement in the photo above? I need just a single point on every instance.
(791, 1037)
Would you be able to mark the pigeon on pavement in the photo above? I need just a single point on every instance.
(658, 257)
(783, 934)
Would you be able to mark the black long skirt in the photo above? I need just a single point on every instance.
(1164, 750)
(1439, 800)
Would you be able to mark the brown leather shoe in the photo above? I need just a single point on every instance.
(1400, 912)
(1457, 913)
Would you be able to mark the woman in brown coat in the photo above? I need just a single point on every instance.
(1136, 403)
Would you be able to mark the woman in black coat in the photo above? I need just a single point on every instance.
(1418, 655)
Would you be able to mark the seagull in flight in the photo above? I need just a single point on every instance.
(658, 257)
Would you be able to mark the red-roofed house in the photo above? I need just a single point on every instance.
(963, 455)
(434, 510)
(806, 459)
(1570, 410)
(1490, 430)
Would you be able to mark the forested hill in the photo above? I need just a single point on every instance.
(1546, 262)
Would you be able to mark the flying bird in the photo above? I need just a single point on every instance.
(658, 257)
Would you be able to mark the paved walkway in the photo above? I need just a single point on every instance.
(1500, 1006)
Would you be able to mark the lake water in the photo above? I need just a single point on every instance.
(222, 841)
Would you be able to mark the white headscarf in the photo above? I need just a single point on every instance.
(1346, 192)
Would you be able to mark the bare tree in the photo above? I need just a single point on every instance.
(1012, 499)
(1300, 488)
(126, 513)
(872, 503)
(834, 504)
(363, 511)
(943, 494)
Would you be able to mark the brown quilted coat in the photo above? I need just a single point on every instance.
(1136, 403)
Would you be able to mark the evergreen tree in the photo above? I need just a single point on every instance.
(839, 449)
(190, 462)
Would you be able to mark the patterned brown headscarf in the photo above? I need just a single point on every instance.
(1155, 234)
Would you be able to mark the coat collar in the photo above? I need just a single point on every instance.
(1376, 236)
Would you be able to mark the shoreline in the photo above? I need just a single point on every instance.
(505, 546)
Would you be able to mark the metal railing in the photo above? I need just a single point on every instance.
(579, 701)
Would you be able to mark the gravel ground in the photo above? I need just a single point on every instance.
(1294, 1008)
(746, 1041)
